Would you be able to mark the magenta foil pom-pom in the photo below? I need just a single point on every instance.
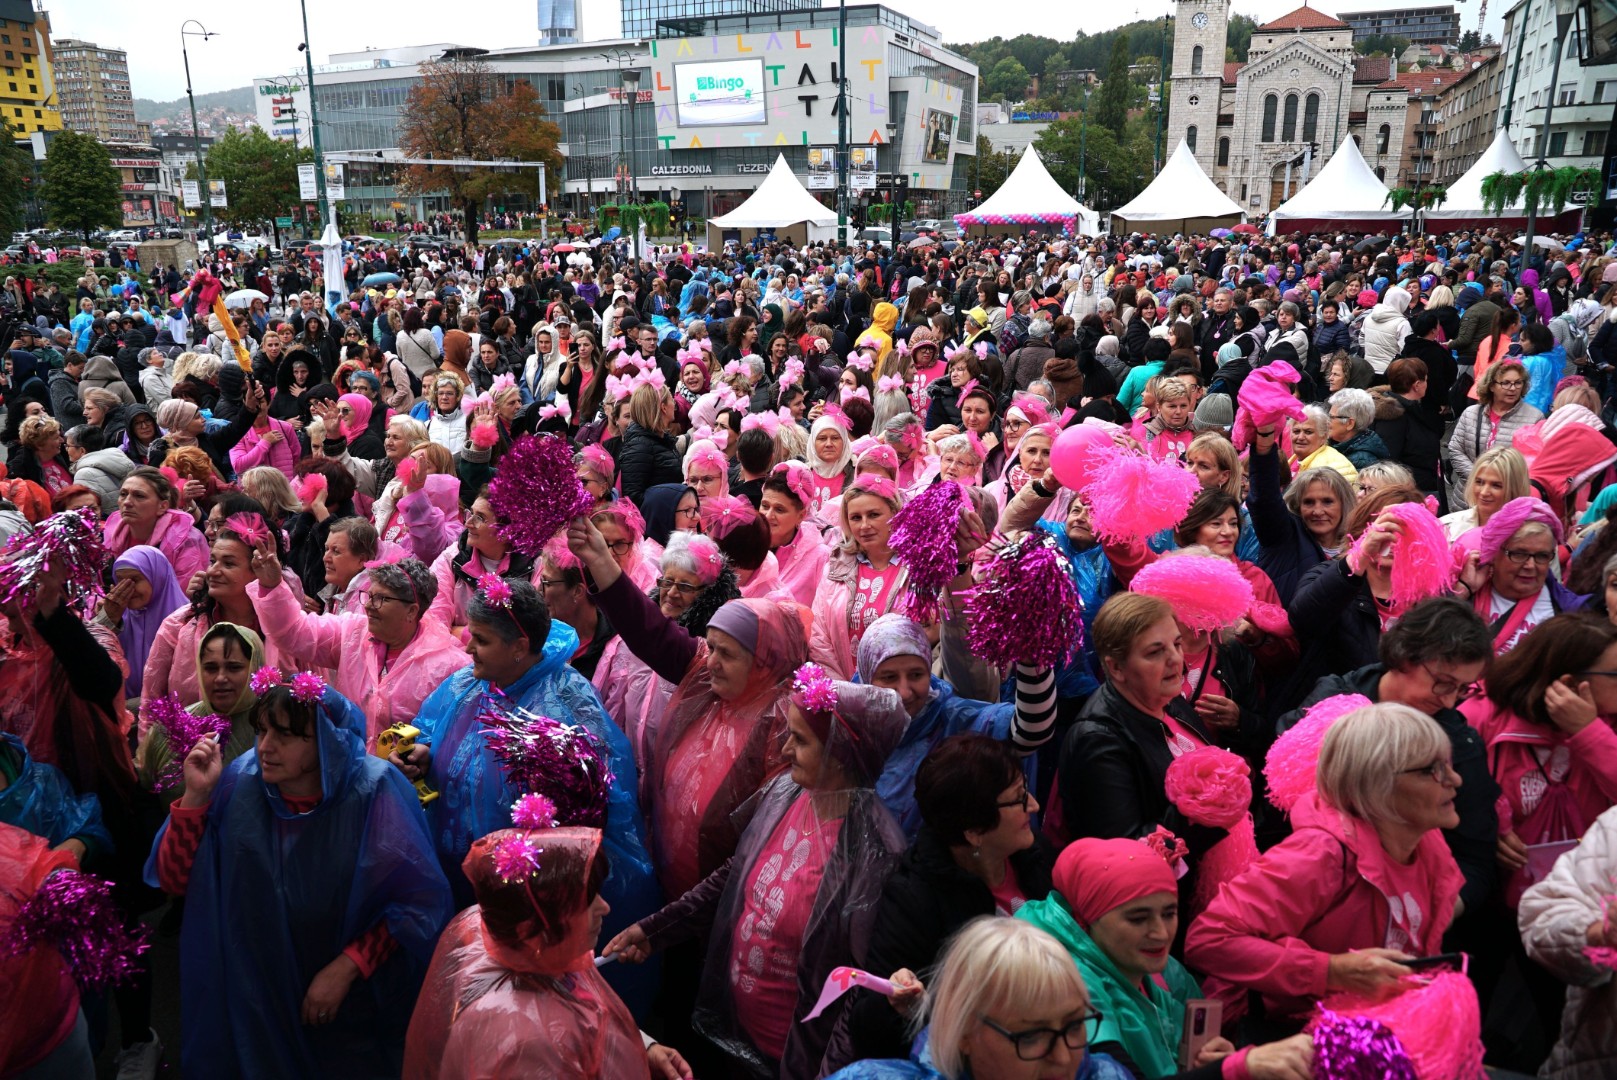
(264, 680)
(1358, 1048)
(1134, 497)
(533, 812)
(563, 762)
(536, 492)
(516, 858)
(1024, 608)
(495, 589)
(813, 689)
(1206, 593)
(923, 539)
(73, 912)
(308, 687)
(183, 731)
(1293, 759)
(68, 544)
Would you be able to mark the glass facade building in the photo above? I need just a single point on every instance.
(559, 22)
(641, 18)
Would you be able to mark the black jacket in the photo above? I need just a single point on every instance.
(647, 459)
(1474, 842)
(1337, 626)
(1414, 438)
(1440, 369)
(927, 898)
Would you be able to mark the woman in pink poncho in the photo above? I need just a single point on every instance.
(1364, 883)
(512, 991)
(143, 517)
(799, 550)
(863, 582)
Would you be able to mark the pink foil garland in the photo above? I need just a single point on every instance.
(536, 492)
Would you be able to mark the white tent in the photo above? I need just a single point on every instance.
(780, 202)
(1181, 198)
(1344, 194)
(1465, 194)
(1030, 196)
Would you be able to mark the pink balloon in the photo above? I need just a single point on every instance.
(1078, 451)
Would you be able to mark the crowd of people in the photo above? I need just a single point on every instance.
(770, 746)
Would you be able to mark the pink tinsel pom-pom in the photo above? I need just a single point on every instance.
(1438, 1022)
(1210, 786)
(1135, 497)
(516, 857)
(1422, 563)
(1292, 761)
(813, 690)
(1024, 608)
(183, 731)
(1206, 593)
(309, 486)
(264, 680)
(533, 812)
(308, 687)
(74, 913)
(536, 491)
(484, 434)
(563, 762)
(923, 539)
(1357, 1048)
(68, 544)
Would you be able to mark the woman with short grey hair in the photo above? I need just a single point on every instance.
(1351, 416)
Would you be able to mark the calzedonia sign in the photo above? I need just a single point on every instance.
(681, 170)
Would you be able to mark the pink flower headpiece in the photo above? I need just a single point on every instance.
(1029, 407)
(562, 409)
(719, 437)
(791, 373)
(887, 384)
(533, 811)
(813, 690)
(599, 461)
(306, 686)
(848, 394)
(502, 382)
(495, 590)
(249, 527)
(704, 552)
(723, 513)
(877, 453)
(709, 455)
(799, 478)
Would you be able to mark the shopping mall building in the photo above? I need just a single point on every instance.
(696, 112)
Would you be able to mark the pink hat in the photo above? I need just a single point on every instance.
(1367, 298)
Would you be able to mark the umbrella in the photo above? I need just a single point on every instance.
(384, 278)
(1221, 233)
(1538, 241)
(564, 248)
(1246, 227)
(1371, 242)
(921, 242)
(613, 233)
(244, 298)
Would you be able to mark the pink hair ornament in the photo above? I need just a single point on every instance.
(309, 486)
(799, 478)
(562, 409)
(249, 527)
(849, 393)
(888, 384)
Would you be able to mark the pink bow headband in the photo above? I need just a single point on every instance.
(792, 373)
(799, 478)
(889, 383)
(875, 484)
(769, 422)
(860, 361)
(562, 408)
(848, 394)
(707, 455)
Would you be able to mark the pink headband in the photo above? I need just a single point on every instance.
(723, 513)
(707, 455)
(873, 484)
(1510, 518)
(857, 392)
(878, 454)
(799, 478)
(597, 460)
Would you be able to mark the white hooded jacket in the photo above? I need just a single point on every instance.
(1386, 329)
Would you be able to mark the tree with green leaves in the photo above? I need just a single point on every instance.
(260, 174)
(83, 192)
(1470, 41)
(16, 168)
(1238, 38)
(1007, 81)
(1117, 169)
(1381, 45)
(1111, 106)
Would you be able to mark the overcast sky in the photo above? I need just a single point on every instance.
(262, 39)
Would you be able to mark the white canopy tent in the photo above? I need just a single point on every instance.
(779, 205)
(1464, 204)
(1180, 199)
(1344, 195)
(1031, 196)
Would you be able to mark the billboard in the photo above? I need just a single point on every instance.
(862, 168)
(937, 134)
(281, 107)
(720, 93)
(191, 194)
(216, 194)
(822, 168)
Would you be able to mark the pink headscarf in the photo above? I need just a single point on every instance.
(1511, 517)
(362, 407)
(1096, 876)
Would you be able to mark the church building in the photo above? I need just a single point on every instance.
(1262, 128)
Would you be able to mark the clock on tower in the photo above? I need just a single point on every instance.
(1199, 20)
(1198, 72)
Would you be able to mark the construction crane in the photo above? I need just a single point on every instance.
(1482, 15)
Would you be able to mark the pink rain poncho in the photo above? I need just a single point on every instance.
(512, 992)
(175, 535)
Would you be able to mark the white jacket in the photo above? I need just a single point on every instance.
(1553, 918)
(1386, 329)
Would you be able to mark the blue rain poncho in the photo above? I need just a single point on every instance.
(275, 896)
(475, 798)
(41, 801)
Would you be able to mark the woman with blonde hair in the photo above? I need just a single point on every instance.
(273, 491)
(1498, 476)
(648, 455)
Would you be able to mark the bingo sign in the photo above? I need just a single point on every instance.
(721, 93)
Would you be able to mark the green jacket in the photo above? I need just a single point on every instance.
(1147, 1028)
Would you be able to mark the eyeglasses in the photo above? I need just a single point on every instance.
(1343, 419)
(684, 589)
(1509, 384)
(1036, 1044)
(1611, 674)
(376, 600)
(619, 548)
(476, 518)
(1439, 770)
(546, 582)
(696, 481)
(1445, 685)
(688, 512)
(1519, 557)
(1022, 802)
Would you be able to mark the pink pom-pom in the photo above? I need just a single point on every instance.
(536, 492)
(74, 913)
(563, 762)
(495, 589)
(484, 434)
(1422, 563)
(1024, 608)
(249, 527)
(1293, 760)
(309, 487)
(1357, 1048)
(264, 680)
(308, 687)
(183, 731)
(1206, 593)
(171, 474)
(813, 690)
(405, 471)
(923, 539)
(516, 857)
(1438, 1023)
(68, 545)
(533, 812)
(1135, 497)
(1210, 786)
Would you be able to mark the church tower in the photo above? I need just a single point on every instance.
(1199, 31)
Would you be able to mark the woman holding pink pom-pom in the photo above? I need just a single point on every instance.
(863, 581)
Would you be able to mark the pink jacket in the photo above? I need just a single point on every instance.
(171, 666)
(433, 517)
(344, 642)
(1320, 892)
(254, 450)
(635, 698)
(175, 535)
(831, 643)
(802, 564)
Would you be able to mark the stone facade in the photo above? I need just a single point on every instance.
(1468, 111)
(1252, 125)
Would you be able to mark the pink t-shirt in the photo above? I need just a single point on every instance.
(1193, 677)
(873, 597)
(826, 488)
(775, 909)
(1406, 920)
(1181, 740)
(397, 531)
(697, 765)
(1008, 895)
(56, 477)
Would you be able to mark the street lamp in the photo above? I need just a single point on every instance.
(314, 117)
(196, 132)
(1566, 13)
(892, 183)
(631, 90)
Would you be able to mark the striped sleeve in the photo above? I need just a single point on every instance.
(1035, 721)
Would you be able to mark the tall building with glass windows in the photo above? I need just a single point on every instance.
(641, 17)
(28, 94)
(94, 85)
(560, 22)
